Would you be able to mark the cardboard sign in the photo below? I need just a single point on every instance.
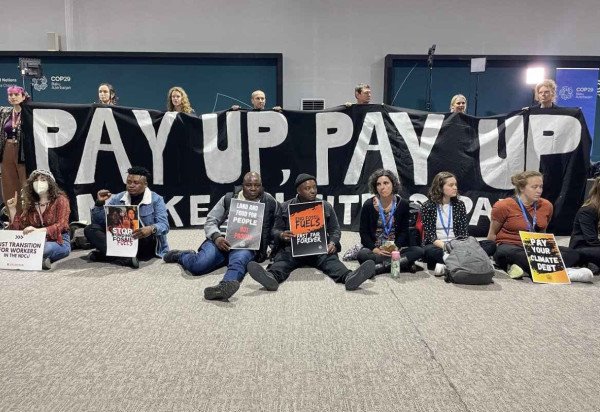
(121, 221)
(244, 224)
(545, 260)
(21, 252)
(307, 223)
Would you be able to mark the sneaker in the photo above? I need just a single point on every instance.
(580, 275)
(440, 270)
(173, 256)
(223, 291)
(259, 274)
(356, 278)
(135, 263)
(46, 264)
(515, 272)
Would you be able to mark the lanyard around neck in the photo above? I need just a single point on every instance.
(387, 225)
(441, 216)
(530, 225)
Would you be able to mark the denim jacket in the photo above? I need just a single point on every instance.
(152, 211)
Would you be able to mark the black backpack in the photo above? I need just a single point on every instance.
(467, 263)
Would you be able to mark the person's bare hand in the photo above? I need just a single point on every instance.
(103, 195)
(222, 244)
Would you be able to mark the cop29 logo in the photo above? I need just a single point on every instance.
(39, 83)
(565, 92)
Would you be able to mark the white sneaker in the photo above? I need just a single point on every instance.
(580, 275)
(440, 269)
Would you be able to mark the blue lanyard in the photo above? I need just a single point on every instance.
(387, 225)
(530, 226)
(441, 216)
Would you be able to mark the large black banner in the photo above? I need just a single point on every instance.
(194, 161)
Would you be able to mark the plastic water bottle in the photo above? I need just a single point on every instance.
(395, 270)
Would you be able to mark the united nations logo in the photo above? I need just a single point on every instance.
(565, 92)
(40, 83)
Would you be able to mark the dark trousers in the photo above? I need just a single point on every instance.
(411, 253)
(96, 234)
(285, 263)
(433, 254)
(589, 254)
(507, 255)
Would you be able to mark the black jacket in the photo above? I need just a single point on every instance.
(282, 223)
(585, 228)
(368, 223)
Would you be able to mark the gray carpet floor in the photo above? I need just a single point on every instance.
(99, 337)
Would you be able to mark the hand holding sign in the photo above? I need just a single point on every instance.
(222, 244)
(286, 235)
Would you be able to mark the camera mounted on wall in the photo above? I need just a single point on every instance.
(30, 68)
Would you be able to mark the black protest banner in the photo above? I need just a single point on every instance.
(244, 224)
(307, 224)
(194, 161)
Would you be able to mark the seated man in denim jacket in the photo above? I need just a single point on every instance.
(154, 224)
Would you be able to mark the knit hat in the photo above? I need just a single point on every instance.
(303, 177)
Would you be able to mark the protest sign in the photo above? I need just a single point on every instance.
(545, 260)
(121, 222)
(22, 252)
(244, 224)
(307, 223)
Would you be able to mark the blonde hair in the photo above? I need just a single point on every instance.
(186, 106)
(455, 98)
(549, 83)
(519, 180)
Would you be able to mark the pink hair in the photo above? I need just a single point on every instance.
(16, 89)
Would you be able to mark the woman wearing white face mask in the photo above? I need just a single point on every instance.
(45, 208)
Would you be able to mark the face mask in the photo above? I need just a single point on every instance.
(40, 186)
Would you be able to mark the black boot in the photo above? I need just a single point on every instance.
(223, 291)
(383, 267)
(405, 266)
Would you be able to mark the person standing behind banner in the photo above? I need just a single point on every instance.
(329, 263)
(107, 94)
(526, 211)
(12, 148)
(384, 225)
(545, 94)
(46, 209)
(458, 104)
(444, 218)
(215, 251)
(584, 238)
(362, 93)
(152, 215)
(259, 101)
(178, 101)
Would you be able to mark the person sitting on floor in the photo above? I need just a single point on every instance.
(526, 211)
(284, 263)
(215, 252)
(444, 218)
(584, 238)
(45, 208)
(384, 225)
(152, 235)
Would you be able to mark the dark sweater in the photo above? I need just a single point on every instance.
(368, 223)
(585, 228)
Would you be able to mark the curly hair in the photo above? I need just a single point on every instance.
(396, 185)
(30, 197)
(519, 180)
(186, 106)
(436, 190)
(550, 84)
